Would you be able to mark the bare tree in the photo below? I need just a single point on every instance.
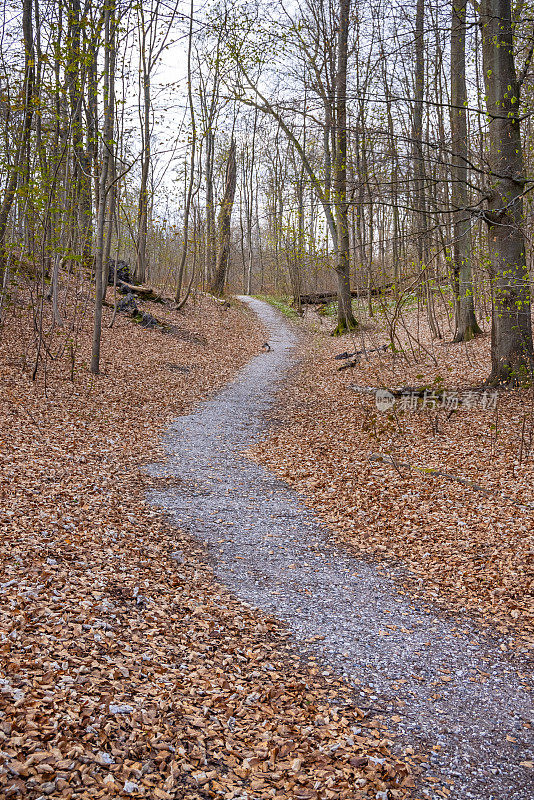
(511, 343)
(152, 42)
(103, 187)
(465, 320)
(345, 320)
(16, 173)
(225, 218)
(192, 145)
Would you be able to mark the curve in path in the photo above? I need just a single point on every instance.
(450, 687)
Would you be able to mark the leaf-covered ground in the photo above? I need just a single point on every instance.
(125, 669)
(461, 547)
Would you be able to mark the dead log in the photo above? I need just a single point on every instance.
(224, 302)
(423, 392)
(362, 352)
(396, 392)
(358, 353)
(321, 298)
(145, 292)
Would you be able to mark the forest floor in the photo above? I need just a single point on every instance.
(365, 470)
(127, 669)
(457, 693)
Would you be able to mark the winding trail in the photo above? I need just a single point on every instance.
(449, 684)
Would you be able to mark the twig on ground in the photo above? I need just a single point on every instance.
(448, 476)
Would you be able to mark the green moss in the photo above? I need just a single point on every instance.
(342, 328)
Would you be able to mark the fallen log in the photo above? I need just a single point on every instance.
(146, 292)
(320, 298)
(358, 353)
(223, 301)
(396, 392)
(431, 393)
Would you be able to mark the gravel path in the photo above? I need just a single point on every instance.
(449, 684)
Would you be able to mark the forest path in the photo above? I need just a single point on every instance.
(437, 683)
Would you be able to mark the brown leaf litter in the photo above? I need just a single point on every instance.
(126, 670)
(461, 548)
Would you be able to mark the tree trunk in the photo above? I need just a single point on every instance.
(465, 321)
(211, 242)
(81, 221)
(14, 173)
(394, 177)
(511, 343)
(189, 193)
(250, 204)
(422, 231)
(107, 155)
(142, 211)
(225, 217)
(418, 152)
(345, 317)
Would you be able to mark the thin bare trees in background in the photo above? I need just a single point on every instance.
(68, 156)
(154, 32)
(17, 165)
(363, 149)
(465, 320)
(403, 164)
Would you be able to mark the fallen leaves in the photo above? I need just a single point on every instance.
(126, 670)
(443, 541)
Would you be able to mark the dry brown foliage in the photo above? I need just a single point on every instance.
(461, 547)
(126, 670)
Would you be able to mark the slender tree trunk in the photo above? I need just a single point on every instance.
(370, 259)
(225, 218)
(250, 204)
(422, 230)
(189, 194)
(81, 214)
(511, 343)
(111, 207)
(211, 240)
(345, 318)
(418, 160)
(301, 243)
(92, 120)
(465, 321)
(145, 106)
(258, 228)
(394, 181)
(107, 155)
(21, 147)
(142, 218)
